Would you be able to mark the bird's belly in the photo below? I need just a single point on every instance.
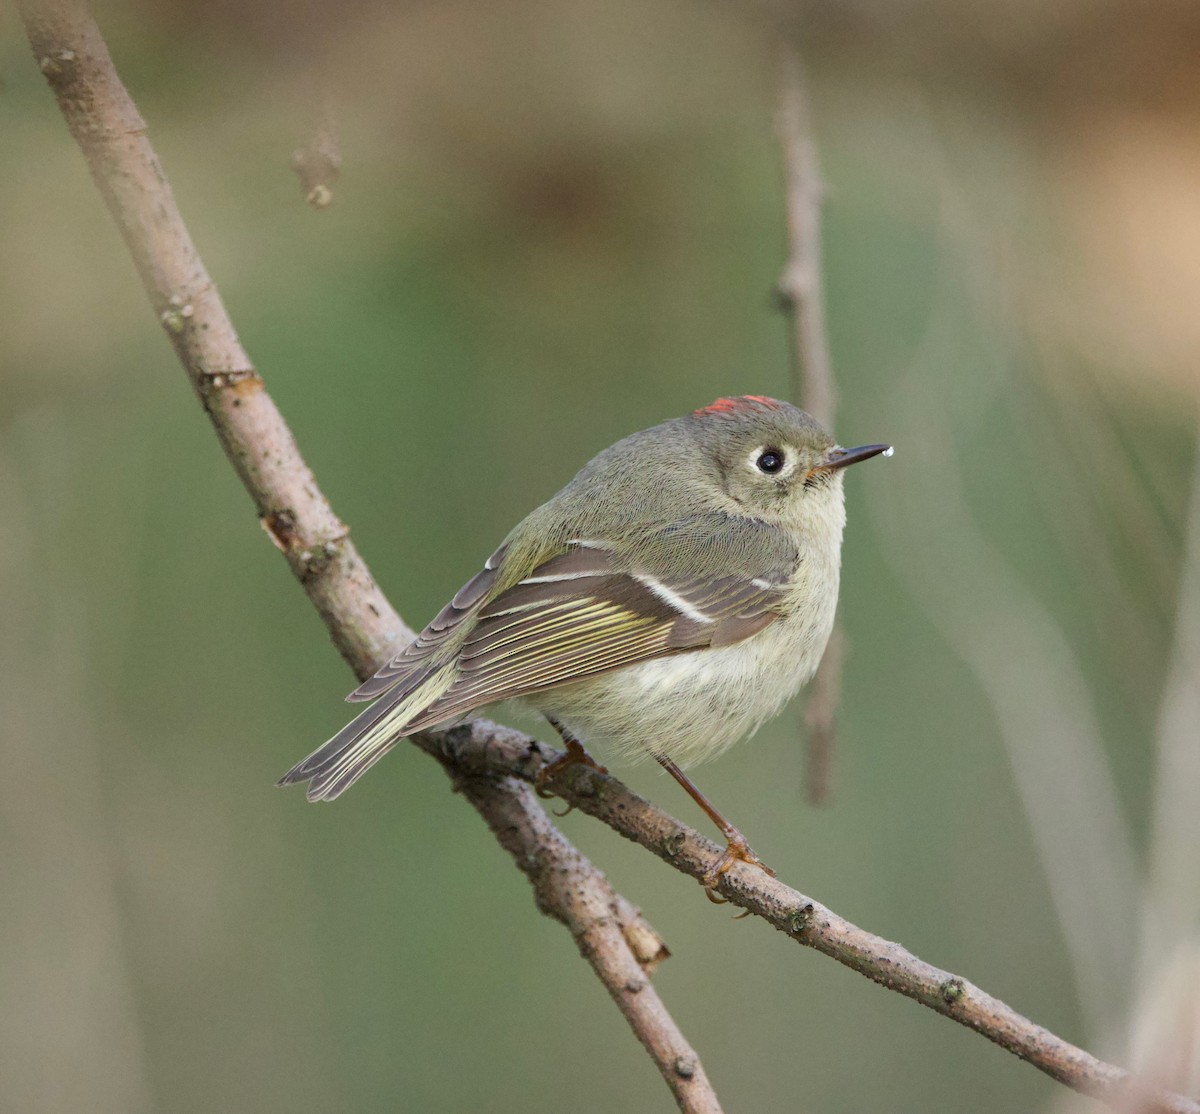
(691, 706)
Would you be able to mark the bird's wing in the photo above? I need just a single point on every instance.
(586, 612)
(402, 688)
(412, 664)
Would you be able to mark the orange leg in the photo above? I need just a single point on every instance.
(737, 850)
(575, 756)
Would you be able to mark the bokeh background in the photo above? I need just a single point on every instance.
(559, 222)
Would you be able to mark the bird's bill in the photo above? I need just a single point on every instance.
(841, 458)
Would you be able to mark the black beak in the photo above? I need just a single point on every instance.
(841, 458)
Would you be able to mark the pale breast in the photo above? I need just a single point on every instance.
(692, 706)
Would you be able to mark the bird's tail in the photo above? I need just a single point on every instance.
(333, 768)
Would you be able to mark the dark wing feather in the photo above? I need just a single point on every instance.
(402, 688)
(581, 614)
(412, 663)
(585, 611)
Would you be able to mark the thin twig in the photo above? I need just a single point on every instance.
(800, 288)
(802, 295)
(485, 746)
(107, 126)
(820, 718)
(484, 758)
(565, 888)
(105, 122)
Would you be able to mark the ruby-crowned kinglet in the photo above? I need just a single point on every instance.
(673, 596)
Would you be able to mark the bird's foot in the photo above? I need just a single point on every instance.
(736, 851)
(574, 755)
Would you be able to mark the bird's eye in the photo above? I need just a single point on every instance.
(769, 461)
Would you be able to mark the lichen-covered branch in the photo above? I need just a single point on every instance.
(620, 946)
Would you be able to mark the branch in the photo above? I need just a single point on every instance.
(820, 717)
(485, 760)
(802, 295)
(565, 888)
(108, 128)
(484, 746)
(799, 287)
(620, 946)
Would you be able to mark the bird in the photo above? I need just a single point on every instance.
(670, 599)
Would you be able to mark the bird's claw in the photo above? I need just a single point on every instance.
(736, 851)
(574, 755)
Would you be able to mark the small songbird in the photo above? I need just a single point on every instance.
(667, 601)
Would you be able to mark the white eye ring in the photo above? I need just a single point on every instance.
(772, 461)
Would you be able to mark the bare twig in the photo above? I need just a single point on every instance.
(484, 759)
(565, 888)
(105, 122)
(800, 288)
(802, 295)
(107, 126)
(820, 717)
(486, 746)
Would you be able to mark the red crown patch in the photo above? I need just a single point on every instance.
(733, 405)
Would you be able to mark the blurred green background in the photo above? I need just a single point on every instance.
(557, 223)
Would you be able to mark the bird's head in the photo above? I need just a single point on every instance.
(775, 461)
